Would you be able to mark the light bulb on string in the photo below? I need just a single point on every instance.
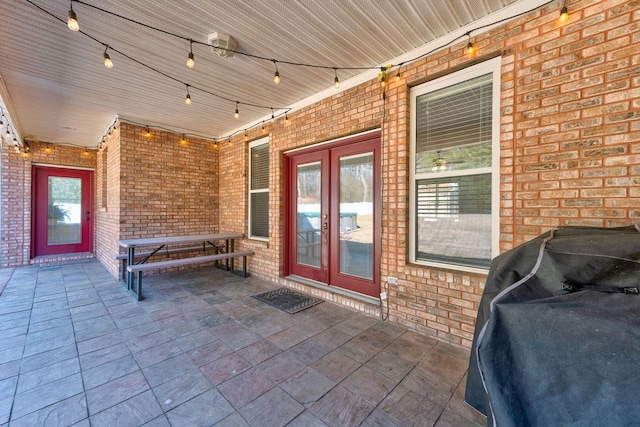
(336, 80)
(190, 59)
(187, 100)
(286, 118)
(107, 59)
(273, 117)
(1, 121)
(72, 21)
(237, 113)
(564, 13)
(469, 49)
(183, 140)
(264, 129)
(148, 134)
(398, 74)
(8, 130)
(246, 135)
(276, 76)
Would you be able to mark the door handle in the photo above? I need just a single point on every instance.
(325, 228)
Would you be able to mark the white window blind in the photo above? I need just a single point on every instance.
(453, 195)
(259, 189)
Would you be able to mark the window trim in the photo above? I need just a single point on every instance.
(490, 66)
(252, 145)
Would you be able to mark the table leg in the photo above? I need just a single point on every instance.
(130, 261)
(232, 249)
(226, 261)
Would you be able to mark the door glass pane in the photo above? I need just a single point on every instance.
(308, 233)
(356, 215)
(65, 214)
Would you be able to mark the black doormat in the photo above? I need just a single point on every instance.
(287, 300)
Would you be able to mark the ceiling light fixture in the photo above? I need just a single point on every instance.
(336, 81)
(187, 100)
(72, 22)
(237, 113)
(190, 60)
(276, 76)
(107, 59)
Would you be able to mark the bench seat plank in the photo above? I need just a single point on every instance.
(140, 268)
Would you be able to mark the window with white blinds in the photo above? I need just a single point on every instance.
(453, 175)
(259, 189)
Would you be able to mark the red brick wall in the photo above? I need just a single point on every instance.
(16, 193)
(569, 150)
(156, 186)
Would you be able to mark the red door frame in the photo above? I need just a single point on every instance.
(39, 215)
(331, 277)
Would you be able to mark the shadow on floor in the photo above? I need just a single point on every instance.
(77, 349)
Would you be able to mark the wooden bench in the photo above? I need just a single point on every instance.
(164, 251)
(138, 269)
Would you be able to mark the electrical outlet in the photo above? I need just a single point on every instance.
(392, 280)
(383, 296)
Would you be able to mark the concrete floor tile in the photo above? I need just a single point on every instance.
(225, 368)
(205, 409)
(64, 413)
(175, 392)
(245, 387)
(273, 408)
(134, 411)
(307, 385)
(54, 372)
(115, 392)
(47, 394)
(340, 407)
(109, 371)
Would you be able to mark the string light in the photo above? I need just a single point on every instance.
(469, 49)
(276, 76)
(237, 113)
(286, 118)
(564, 13)
(336, 81)
(187, 100)
(273, 117)
(190, 60)
(8, 130)
(246, 135)
(148, 134)
(107, 59)
(398, 76)
(381, 76)
(264, 129)
(183, 140)
(72, 22)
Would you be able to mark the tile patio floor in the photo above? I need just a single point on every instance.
(77, 349)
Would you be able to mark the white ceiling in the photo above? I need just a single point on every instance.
(58, 90)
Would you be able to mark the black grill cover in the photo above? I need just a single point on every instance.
(557, 338)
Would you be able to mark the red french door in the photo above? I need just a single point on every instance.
(62, 211)
(333, 215)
